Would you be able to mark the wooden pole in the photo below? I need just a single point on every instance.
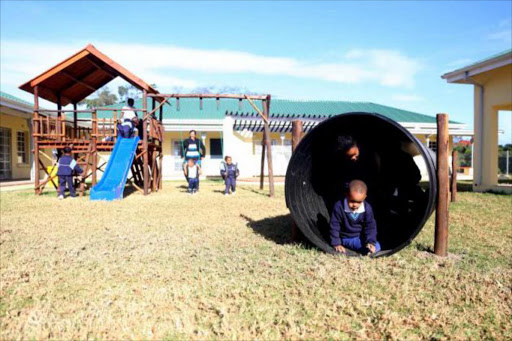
(154, 170)
(160, 169)
(94, 150)
(441, 228)
(454, 175)
(296, 136)
(35, 130)
(262, 174)
(59, 113)
(296, 133)
(145, 141)
(266, 111)
(75, 121)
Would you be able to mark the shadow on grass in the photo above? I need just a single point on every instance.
(424, 248)
(276, 229)
(249, 189)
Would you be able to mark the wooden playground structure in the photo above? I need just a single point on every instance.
(93, 131)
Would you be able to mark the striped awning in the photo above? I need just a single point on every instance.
(276, 126)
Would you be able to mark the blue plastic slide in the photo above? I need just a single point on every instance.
(111, 185)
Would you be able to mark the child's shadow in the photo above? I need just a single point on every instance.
(276, 229)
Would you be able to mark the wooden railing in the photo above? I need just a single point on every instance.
(104, 128)
(48, 127)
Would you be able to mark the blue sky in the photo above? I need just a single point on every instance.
(391, 53)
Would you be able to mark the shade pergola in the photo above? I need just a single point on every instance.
(78, 76)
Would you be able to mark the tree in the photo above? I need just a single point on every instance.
(103, 98)
(129, 91)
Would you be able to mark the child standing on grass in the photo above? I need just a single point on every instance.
(229, 172)
(67, 167)
(192, 172)
(352, 224)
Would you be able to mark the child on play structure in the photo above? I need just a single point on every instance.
(128, 120)
(67, 166)
(192, 172)
(229, 172)
(352, 224)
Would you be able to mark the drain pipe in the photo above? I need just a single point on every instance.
(480, 124)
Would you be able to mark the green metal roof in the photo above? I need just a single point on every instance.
(280, 108)
(14, 98)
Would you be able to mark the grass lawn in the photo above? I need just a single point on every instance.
(171, 266)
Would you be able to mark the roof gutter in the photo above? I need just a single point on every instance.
(480, 123)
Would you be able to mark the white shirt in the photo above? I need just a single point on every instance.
(129, 113)
(348, 210)
(192, 171)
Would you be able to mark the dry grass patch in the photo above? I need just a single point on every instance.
(171, 266)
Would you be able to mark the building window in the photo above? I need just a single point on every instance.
(273, 142)
(22, 144)
(216, 148)
(287, 142)
(5, 153)
(177, 148)
(432, 145)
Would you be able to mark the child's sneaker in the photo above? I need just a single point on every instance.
(226, 193)
(61, 197)
(233, 193)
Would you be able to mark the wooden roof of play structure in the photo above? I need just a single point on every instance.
(75, 78)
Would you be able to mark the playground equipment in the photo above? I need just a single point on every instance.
(111, 185)
(314, 179)
(92, 131)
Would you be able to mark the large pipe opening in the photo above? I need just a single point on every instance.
(389, 162)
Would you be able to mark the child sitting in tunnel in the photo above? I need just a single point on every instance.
(352, 224)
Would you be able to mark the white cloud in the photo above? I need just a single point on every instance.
(407, 98)
(505, 32)
(22, 60)
(504, 35)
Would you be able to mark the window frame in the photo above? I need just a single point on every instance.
(24, 151)
(216, 156)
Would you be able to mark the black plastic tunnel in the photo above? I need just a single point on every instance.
(389, 162)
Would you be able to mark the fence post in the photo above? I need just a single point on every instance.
(441, 227)
(296, 136)
(454, 175)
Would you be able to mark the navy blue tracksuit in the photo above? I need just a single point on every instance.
(351, 229)
(67, 165)
(230, 173)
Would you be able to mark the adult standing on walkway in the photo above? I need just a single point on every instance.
(194, 148)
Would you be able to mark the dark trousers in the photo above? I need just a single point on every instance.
(193, 184)
(230, 184)
(63, 180)
(126, 131)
